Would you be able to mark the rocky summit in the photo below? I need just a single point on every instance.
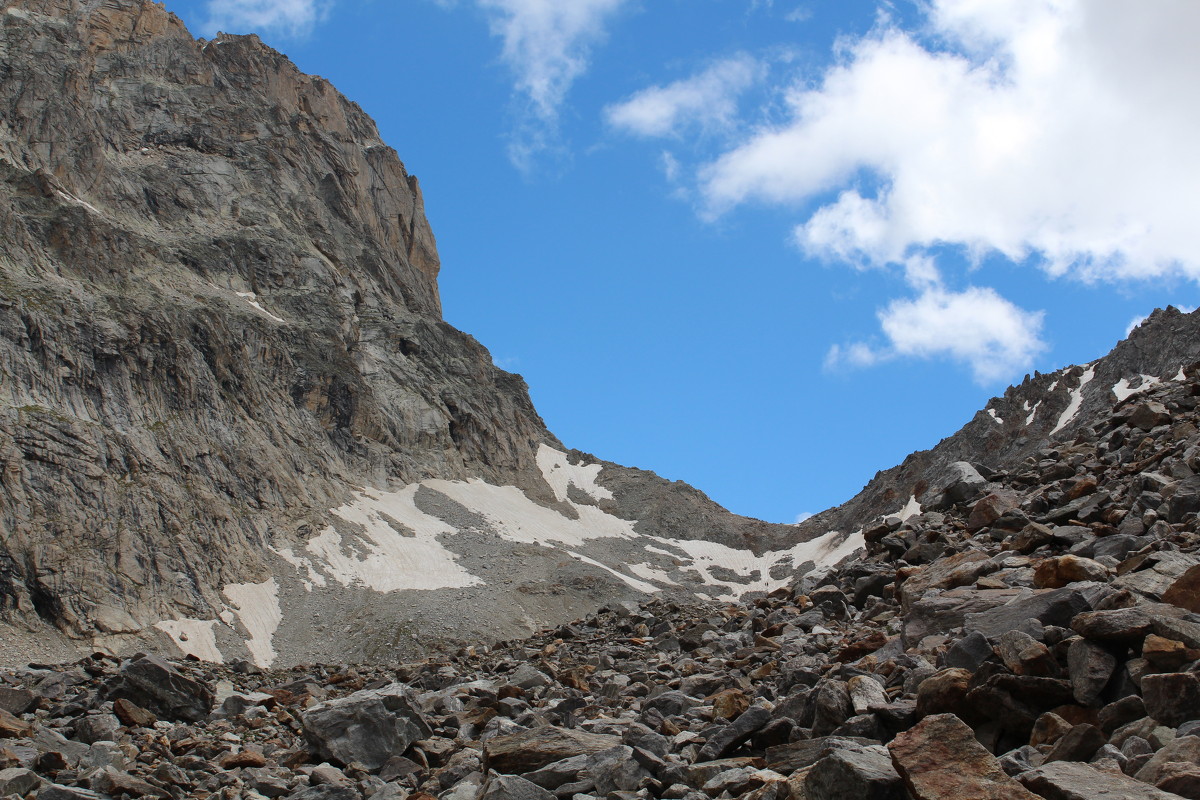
(270, 528)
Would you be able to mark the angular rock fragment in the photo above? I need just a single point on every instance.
(157, 686)
(367, 727)
(939, 759)
(527, 751)
(1072, 780)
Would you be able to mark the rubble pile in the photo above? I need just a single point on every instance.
(1030, 633)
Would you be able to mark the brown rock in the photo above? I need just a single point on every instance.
(940, 759)
(729, 703)
(1167, 654)
(1127, 626)
(1078, 744)
(1149, 415)
(943, 692)
(1181, 779)
(988, 509)
(529, 750)
(16, 701)
(1091, 667)
(1185, 591)
(246, 758)
(1185, 750)
(960, 569)
(1054, 573)
(12, 727)
(133, 715)
(1048, 729)
(1024, 655)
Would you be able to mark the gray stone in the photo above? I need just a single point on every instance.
(733, 735)
(1072, 780)
(1090, 667)
(157, 686)
(865, 774)
(1049, 607)
(512, 787)
(969, 652)
(368, 726)
(18, 781)
(1172, 698)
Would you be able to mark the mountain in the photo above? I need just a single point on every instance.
(231, 416)
(1035, 636)
(234, 425)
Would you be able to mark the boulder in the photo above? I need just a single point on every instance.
(940, 759)
(865, 774)
(526, 751)
(1072, 780)
(155, 685)
(1090, 667)
(367, 727)
(1172, 698)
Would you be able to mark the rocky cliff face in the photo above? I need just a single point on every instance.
(230, 413)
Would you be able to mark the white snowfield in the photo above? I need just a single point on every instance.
(1076, 403)
(382, 541)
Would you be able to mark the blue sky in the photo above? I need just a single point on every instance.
(770, 247)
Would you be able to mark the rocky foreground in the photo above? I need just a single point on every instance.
(1030, 634)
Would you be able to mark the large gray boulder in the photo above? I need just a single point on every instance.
(159, 687)
(369, 726)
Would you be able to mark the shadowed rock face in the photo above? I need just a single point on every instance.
(219, 319)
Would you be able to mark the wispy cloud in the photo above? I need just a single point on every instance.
(976, 327)
(547, 44)
(289, 17)
(707, 99)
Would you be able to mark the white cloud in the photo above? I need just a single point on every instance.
(804, 515)
(546, 45)
(290, 17)
(1061, 129)
(977, 327)
(707, 99)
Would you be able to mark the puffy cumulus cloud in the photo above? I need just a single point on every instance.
(1058, 129)
(290, 17)
(707, 99)
(546, 45)
(977, 327)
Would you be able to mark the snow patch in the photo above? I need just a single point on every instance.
(70, 198)
(257, 606)
(641, 586)
(300, 563)
(1076, 400)
(652, 573)
(911, 509)
(705, 556)
(1032, 411)
(383, 559)
(561, 474)
(193, 637)
(1123, 391)
(252, 299)
(518, 519)
(994, 416)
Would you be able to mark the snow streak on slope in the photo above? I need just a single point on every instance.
(1076, 400)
